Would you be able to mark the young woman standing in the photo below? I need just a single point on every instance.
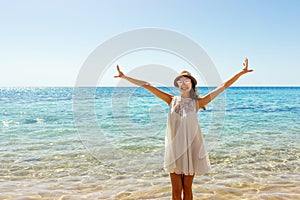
(185, 153)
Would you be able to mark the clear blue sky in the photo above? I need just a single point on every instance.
(44, 43)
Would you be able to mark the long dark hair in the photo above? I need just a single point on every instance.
(194, 94)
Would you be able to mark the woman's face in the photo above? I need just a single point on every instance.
(184, 84)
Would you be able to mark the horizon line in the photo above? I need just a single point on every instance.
(107, 86)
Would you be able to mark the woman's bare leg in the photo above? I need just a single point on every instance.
(177, 186)
(187, 187)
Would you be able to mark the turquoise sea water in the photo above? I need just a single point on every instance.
(108, 143)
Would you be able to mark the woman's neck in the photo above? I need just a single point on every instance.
(185, 95)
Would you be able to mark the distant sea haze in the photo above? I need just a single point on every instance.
(50, 151)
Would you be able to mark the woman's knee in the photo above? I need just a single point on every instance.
(187, 183)
(187, 187)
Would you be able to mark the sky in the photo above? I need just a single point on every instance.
(45, 43)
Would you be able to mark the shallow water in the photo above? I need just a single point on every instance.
(48, 152)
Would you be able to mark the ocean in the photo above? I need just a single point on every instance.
(108, 143)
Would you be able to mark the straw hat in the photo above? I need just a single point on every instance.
(185, 74)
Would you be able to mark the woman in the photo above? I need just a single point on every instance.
(185, 153)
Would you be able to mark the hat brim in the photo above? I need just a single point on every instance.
(180, 76)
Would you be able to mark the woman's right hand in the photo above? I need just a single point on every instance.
(121, 75)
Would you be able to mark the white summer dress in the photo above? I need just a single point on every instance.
(185, 151)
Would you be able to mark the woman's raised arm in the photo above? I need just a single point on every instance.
(159, 93)
(213, 94)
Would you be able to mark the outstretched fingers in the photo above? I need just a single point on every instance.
(245, 69)
(245, 63)
(120, 73)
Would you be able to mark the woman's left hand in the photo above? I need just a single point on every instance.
(245, 69)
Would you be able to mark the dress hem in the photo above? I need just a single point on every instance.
(188, 173)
